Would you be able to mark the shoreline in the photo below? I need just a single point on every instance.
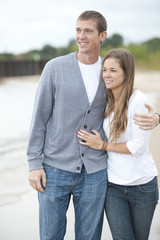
(18, 202)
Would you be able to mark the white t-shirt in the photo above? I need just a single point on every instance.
(91, 76)
(138, 167)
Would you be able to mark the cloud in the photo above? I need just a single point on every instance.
(30, 24)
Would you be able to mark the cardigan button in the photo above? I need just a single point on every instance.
(89, 111)
(85, 126)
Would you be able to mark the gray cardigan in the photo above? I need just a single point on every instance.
(61, 108)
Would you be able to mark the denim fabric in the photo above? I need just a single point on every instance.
(88, 190)
(130, 209)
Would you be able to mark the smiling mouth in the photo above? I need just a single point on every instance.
(83, 43)
(108, 81)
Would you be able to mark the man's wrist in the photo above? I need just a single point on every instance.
(158, 114)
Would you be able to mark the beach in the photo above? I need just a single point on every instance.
(18, 202)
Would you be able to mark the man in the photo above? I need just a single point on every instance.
(71, 95)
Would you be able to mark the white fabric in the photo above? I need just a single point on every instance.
(138, 167)
(91, 76)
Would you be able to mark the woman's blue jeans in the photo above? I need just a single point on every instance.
(130, 209)
(88, 190)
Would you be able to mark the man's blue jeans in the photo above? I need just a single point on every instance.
(88, 190)
(130, 210)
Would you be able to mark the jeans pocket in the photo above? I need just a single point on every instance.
(109, 184)
(149, 187)
(47, 167)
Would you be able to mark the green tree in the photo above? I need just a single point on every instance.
(48, 52)
(116, 40)
(7, 56)
(153, 44)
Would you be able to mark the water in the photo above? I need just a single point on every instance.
(16, 106)
(19, 210)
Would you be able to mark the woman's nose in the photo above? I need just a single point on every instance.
(107, 74)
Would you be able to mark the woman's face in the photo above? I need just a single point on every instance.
(113, 74)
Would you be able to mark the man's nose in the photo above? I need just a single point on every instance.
(82, 34)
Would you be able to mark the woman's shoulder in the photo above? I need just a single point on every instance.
(138, 96)
(137, 102)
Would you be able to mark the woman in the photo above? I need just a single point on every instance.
(132, 192)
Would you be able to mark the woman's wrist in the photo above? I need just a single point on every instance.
(104, 146)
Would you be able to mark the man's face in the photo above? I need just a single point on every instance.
(87, 36)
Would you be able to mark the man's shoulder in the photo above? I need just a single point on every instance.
(62, 59)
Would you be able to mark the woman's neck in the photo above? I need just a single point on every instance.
(116, 95)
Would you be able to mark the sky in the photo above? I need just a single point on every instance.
(30, 24)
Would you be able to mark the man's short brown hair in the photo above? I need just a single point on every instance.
(101, 21)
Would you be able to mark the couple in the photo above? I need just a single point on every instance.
(67, 150)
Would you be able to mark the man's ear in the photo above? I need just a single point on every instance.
(103, 36)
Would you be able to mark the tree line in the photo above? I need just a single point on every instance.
(147, 54)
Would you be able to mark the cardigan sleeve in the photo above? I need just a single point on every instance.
(139, 139)
(42, 110)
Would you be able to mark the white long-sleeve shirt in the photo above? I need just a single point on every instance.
(137, 167)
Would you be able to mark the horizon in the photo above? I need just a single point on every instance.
(39, 49)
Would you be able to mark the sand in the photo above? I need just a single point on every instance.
(18, 202)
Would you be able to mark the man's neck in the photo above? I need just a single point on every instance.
(87, 59)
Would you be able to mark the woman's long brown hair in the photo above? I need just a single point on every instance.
(119, 122)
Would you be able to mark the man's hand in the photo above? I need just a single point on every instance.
(146, 121)
(35, 177)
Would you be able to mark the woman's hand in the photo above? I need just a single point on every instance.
(91, 140)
